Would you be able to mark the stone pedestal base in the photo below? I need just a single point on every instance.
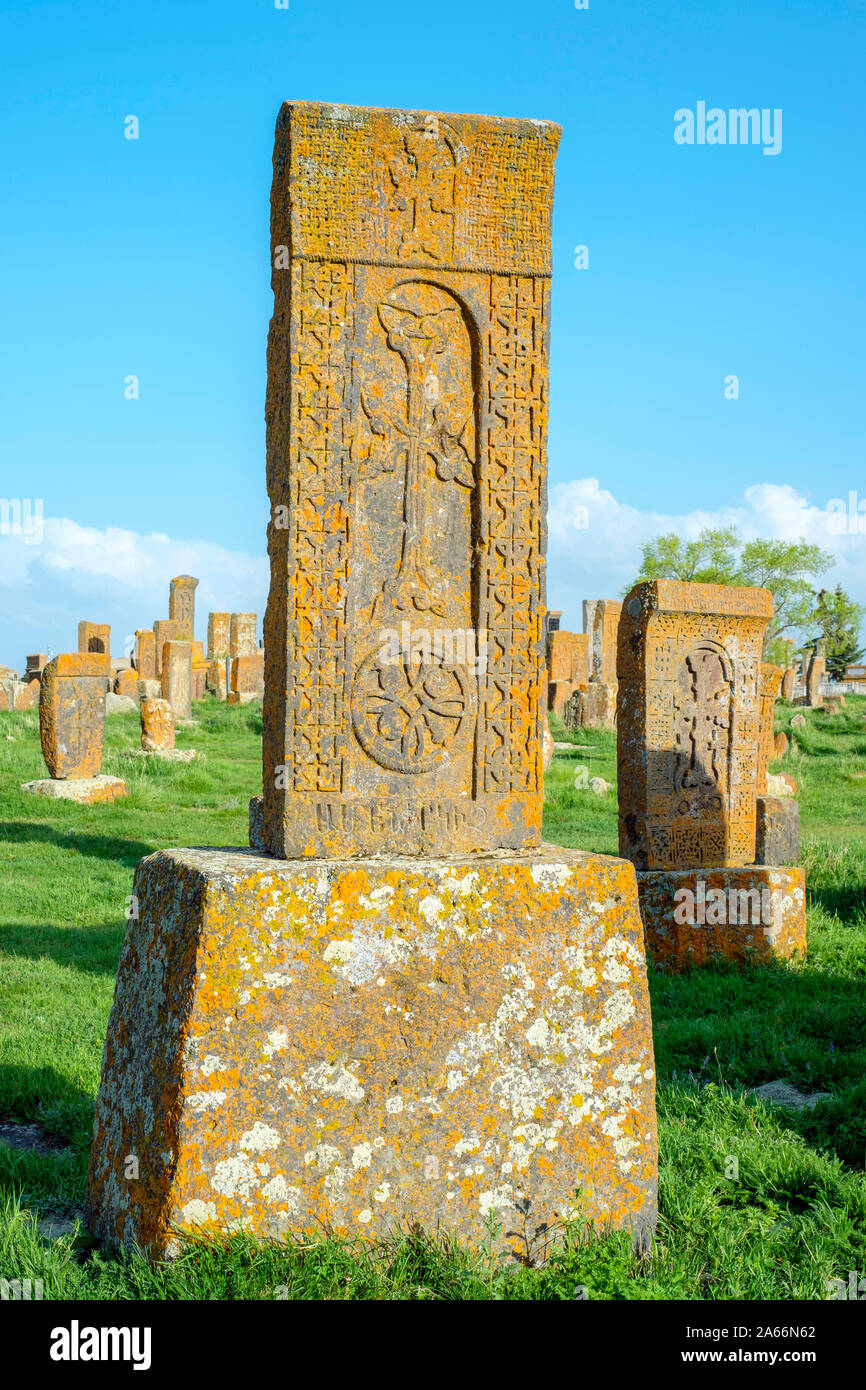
(359, 1044)
(83, 789)
(777, 830)
(168, 755)
(692, 915)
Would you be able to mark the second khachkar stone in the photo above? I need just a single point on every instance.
(692, 691)
(407, 414)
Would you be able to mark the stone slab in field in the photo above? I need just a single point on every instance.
(366, 1043)
(72, 713)
(755, 912)
(84, 790)
(777, 830)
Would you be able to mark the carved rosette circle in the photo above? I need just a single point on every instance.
(410, 713)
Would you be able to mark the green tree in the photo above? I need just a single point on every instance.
(839, 620)
(719, 556)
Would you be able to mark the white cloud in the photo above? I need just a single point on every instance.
(594, 540)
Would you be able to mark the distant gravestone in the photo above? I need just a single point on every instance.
(218, 635)
(181, 606)
(157, 726)
(242, 634)
(177, 678)
(247, 679)
(789, 680)
(165, 630)
(146, 664)
(72, 729)
(94, 638)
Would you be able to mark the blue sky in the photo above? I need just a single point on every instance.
(150, 257)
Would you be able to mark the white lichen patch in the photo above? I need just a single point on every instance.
(538, 1032)
(275, 979)
(276, 1041)
(210, 1064)
(455, 1080)
(260, 1139)
(339, 952)
(331, 1079)
(200, 1101)
(551, 876)
(197, 1212)
(498, 1199)
(323, 1157)
(278, 1190)
(235, 1176)
(365, 1216)
(394, 1105)
(431, 909)
(382, 1192)
(362, 1155)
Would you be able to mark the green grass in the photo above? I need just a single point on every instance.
(792, 1217)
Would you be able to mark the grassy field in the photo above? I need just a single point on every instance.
(792, 1218)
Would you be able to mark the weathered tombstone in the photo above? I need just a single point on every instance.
(777, 820)
(780, 744)
(218, 635)
(242, 634)
(769, 681)
(689, 672)
(94, 638)
(592, 707)
(789, 680)
(177, 678)
(247, 679)
(259, 1061)
(567, 667)
(164, 630)
(815, 675)
(126, 683)
(217, 682)
(157, 726)
(605, 623)
(72, 729)
(181, 606)
(199, 679)
(145, 654)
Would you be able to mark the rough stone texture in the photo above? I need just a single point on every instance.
(777, 830)
(177, 677)
(242, 634)
(780, 744)
(149, 690)
(603, 640)
(784, 1093)
(199, 679)
(126, 683)
(257, 823)
(157, 726)
(415, 304)
(567, 667)
(368, 1043)
(181, 606)
(145, 654)
(769, 681)
(218, 635)
(72, 714)
(592, 708)
(771, 923)
(120, 704)
(216, 682)
(689, 714)
(85, 790)
(781, 784)
(165, 630)
(94, 638)
(789, 680)
(798, 721)
(19, 695)
(247, 679)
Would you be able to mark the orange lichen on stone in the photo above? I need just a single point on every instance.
(692, 916)
(164, 630)
(126, 683)
(367, 1043)
(567, 667)
(177, 677)
(181, 606)
(72, 714)
(769, 682)
(218, 635)
(145, 654)
(157, 726)
(404, 642)
(688, 718)
(247, 679)
(242, 634)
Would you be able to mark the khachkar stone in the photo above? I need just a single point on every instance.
(72, 729)
(777, 819)
(691, 685)
(789, 680)
(242, 634)
(247, 679)
(407, 416)
(259, 1061)
(157, 726)
(218, 635)
(165, 630)
(567, 667)
(181, 606)
(603, 640)
(177, 678)
(815, 675)
(94, 638)
(145, 654)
